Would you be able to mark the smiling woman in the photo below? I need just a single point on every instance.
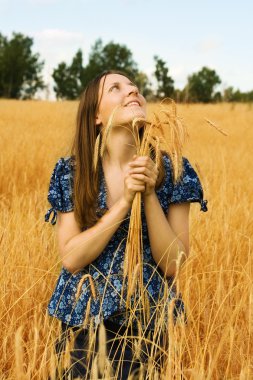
(120, 97)
(93, 200)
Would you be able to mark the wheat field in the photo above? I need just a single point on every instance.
(215, 281)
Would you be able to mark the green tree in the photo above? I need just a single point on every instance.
(180, 95)
(111, 56)
(250, 96)
(201, 85)
(144, 85)
(228, 94)
(70, 80)
(217, 97)
(20, 69)
(231, 95)
(165, 84)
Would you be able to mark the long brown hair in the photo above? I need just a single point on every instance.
(86, 179)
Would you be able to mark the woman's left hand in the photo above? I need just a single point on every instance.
(144, 169)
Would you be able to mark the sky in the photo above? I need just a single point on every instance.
(187, 35)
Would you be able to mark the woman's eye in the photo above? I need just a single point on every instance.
(114, 86)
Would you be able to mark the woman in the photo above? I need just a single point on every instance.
(93, 209)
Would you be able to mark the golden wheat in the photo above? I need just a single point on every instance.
(215, 281)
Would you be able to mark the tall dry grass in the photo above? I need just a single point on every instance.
(216, 281)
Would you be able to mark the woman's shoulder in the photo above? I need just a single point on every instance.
(61, 187)
(167, 161)
(187, 187)
(187, 169)
(65, 165)
(63, 173)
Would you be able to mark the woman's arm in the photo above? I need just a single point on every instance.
(78, 249)
(168, 236)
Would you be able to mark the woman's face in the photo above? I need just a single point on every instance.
(120, 96)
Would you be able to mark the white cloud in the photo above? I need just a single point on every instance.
(179, 73)
(42, 2)
(55, 46)
(58, 35)
(3, 6)
(208, 45)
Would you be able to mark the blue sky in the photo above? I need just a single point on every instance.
(186, 34)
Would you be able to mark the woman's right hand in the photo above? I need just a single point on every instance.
(131, 187)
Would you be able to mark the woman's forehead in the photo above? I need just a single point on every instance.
(114, 78)
(108, 80)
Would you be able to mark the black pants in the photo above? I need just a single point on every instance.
(121, 352)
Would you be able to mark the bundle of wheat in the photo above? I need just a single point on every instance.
(164, 132)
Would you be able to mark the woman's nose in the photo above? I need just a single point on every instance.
(133, 90)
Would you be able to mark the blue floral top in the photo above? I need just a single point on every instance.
(107, 270)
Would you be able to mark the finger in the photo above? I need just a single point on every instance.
(137, 181)
(142, 158)
(149, 181)
(139, 188)
(140, 177)
(141, 170)
(142, 163)
(134, 181)
(139, 160)
(152, 175)
(135, 187)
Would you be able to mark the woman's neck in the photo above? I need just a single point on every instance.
(120, 148)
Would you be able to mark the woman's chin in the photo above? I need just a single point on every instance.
(135, 118)
(138, 116)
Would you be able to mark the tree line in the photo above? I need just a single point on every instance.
(21, 74)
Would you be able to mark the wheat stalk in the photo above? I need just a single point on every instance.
(19, 354)
(102, 352)
(87, 314)
(91, 340)
(106, 131)
(81, 282)
(211, 123)
(96, 152)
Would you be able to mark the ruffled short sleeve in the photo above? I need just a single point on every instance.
(188, 188)
(60, 189)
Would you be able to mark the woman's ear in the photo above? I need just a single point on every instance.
(98, 120)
